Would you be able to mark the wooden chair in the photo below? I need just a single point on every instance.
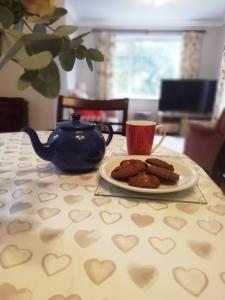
(96, 105)
(218, 170)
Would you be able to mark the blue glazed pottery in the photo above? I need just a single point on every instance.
(74, 146)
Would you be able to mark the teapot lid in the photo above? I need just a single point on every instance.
(75, 124)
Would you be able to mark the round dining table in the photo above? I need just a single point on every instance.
(62, 240)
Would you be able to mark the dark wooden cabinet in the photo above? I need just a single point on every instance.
(13, 114)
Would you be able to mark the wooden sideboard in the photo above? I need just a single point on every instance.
(13, 114)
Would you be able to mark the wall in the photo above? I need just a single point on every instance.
(210, 60)
(212, 48)
(42, 111)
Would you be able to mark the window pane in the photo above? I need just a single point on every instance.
(139, 65)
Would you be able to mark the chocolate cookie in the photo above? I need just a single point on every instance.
(144, 180)
(163, 173)
(135, 162)
(159, 163)
(128, 168)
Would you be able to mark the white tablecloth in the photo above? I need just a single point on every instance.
(58, 241)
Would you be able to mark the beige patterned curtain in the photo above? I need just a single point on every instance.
(192, 41)
(106, 44)
(220, 94)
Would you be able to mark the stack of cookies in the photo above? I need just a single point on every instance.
(145, 174)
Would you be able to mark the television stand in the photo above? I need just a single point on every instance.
(175, 122)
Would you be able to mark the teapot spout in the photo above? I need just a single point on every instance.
(43, 150)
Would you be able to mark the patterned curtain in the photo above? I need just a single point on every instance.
(220, 93)
(106, 44)
(192, 41)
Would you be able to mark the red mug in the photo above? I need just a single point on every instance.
(140, 136)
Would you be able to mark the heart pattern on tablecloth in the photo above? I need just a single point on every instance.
(201, 248)
(128, 203)
(187, 208)
(19, 206)
(57, 224)
(43, 197)
(77, 215)
(143, 276)
(68, 186)
(110, 218)
(22, 181)
(218, 209)
(10, 292)
(12, 256)
(194, 281)
(50, 234)
(125, 242)
(211, 226)
(73, 199)
(99, 271)
(53, 263)
(158, 205)
(47, 213)
(142, 220)
(222, 276)
(18, 226)
(175, 222)
(20, 193)
(85, 238)
(162, 245)
(99, 201)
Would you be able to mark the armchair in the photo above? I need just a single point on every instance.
(203, 141)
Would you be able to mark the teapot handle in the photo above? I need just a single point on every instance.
(110, 135)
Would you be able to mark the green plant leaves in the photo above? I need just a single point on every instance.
(38, 42)
(76, 42)
(56, 15)
(11, 46)
(37, 61)
(26, 79)
(67, 56)
(81, 52)
(65, 30)
(35, 52)
(47, 81)
(6, 17)
(89, 63)
(95, 54)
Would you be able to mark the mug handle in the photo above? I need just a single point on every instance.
(163, 132)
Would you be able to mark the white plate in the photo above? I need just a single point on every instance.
(188, 176)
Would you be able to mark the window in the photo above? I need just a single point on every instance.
(141, 61)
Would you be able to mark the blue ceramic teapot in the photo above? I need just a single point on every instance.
(73, 146)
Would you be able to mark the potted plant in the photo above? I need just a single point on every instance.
(29, 37)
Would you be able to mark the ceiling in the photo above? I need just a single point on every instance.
(148, 13)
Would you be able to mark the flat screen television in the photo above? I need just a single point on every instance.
(185, 95)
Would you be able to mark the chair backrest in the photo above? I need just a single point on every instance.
(96, 105)
(218, 170)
